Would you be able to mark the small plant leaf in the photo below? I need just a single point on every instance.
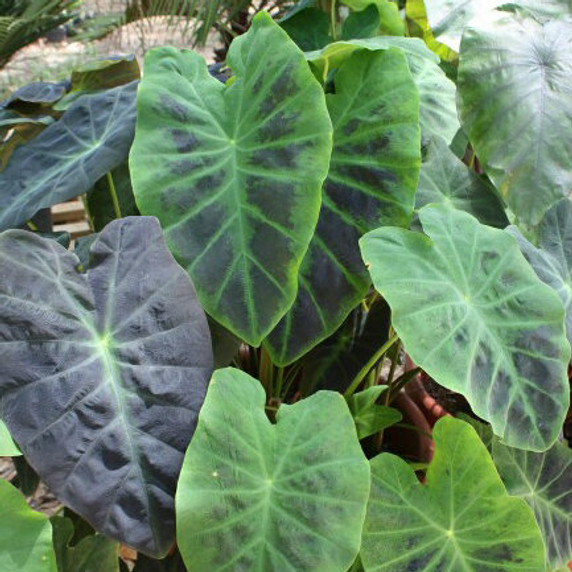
(269, 498)
(472, 313)
(370, 417)
(92, 553)
(69, 156)
(309, 28)
(437, 106)
(461, 519)
(362, 24)
(446, 179)
(7, 446)
(373, 175)
(103, 374)
(552, 260)
(518, 120)
(544, 481)
(235, 172)
(25, 535)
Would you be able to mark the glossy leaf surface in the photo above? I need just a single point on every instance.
(103, 374)
(271, 498)
(235, 172)
(552, 260)
(461, 519)
(372, 179)
(446, 179)
(544, 481)
(69, 156)
(25, 535)
(519, 119)
(472, 313)
(437, 107)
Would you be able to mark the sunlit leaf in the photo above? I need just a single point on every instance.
(266, 497)
(473, 314)
(461, 519)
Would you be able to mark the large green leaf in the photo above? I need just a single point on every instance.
(446, 179)
(515, 96)
(25, 535)
(373, 175)
(235, 172)
(544, 481)
(271, 498)
(552, 260)
(473, 314)
(462, 519)
(309, 28)
(103, 374)
(437, 106)
(69, 156)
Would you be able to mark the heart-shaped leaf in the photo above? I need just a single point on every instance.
(235, 172)
(437, 106)
(25, 535)
(69, 156)
(446, 179)
(373, 175)
(362, 24)
(103, 374)
(552, 260)
(518, 120)
(544, 481)
(462, 519)
(472, 313)
(269, 498)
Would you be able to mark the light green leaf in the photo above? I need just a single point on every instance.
(515, 96)
(370, 417)
(552, 260)
(373, 175)
(461, 519)
(446, 179)
(271, 498)
(93, 553)
(544, 481)
(7, 446)
(437, 106)
(235, 173)
(25, 535)
(473, 314)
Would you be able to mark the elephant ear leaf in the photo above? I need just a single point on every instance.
(372, 180)
(69, 156)
(267, 497)
(544, 481)
(446, 179)
(234, 172)
(461, 519)
(25, 535)
(518, 120)
(472, 313)
(552, 260)
(117, 362)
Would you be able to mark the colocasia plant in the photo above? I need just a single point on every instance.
(214, 377)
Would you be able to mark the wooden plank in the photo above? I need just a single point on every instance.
(76, 229)
(68, 212)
